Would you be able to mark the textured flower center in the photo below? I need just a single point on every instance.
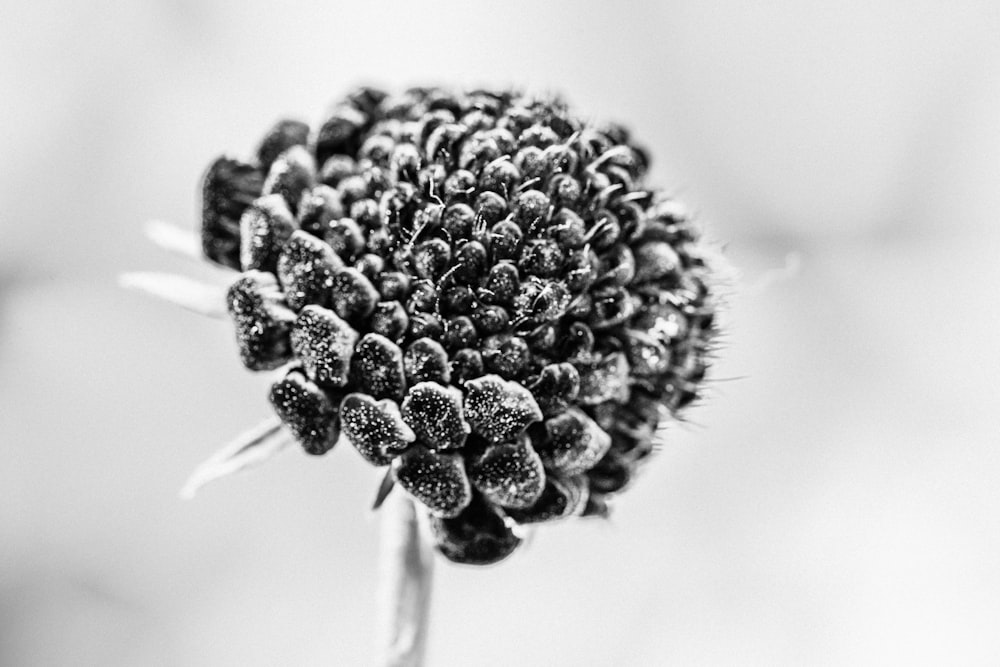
(475, 289)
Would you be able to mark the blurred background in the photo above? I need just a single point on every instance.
(834, 500)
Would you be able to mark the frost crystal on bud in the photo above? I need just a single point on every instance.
(477, 289)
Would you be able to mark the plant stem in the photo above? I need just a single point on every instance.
(405, 577)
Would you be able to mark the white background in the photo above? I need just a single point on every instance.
(835, 501)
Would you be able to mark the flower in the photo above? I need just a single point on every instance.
(474, 289)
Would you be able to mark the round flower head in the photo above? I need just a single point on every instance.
(474, 289)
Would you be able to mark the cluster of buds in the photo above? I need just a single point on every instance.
(474, 289)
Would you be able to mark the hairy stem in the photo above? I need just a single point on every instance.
(405, 578)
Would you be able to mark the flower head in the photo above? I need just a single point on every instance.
(475, 289)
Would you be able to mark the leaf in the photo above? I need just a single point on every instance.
(198, 297)
(175, 239)
(248, 449)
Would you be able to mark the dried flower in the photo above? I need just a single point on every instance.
(475, 289)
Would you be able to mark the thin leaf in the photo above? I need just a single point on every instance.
(175, 239)
(198, 297)
(384, 488)
(248, 449)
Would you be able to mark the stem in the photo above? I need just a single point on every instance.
(405, 577)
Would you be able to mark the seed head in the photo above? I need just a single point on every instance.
(475, 289)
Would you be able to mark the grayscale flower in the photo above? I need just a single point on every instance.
(476, 290)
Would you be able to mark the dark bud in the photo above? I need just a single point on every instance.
(458, 300)
(490, 319)
(470, 262)
(228, 188)
(370, 266)
(377, 149)
(341, 133)
(346, 239)
(477, 150)
(564, 190)
(647, 355)
(505, 140)
(543, 258)
(540, 301)
(596, 506)
(580, 269)
(367, 99)
(393, 285)
(436, 479)
(443, 143)
(530, 162)
(390, 320)
(432, 258)
(617, 266)
(606, 230)
(459, 332)
(292, 174)
(425, 325)
(560, 159)
(573, 444)
(458, 186)
(543, 338)
(508, 359)
(324, 343)
(264, 228)
(426, 361)
(307, 412)
(609, 476)
(477, 536)
(434, 412)
(500, 176)
(505, 240)
(336, 169)
(490, 207)
(318, 208)
(377, 367)
(612, 306)
(556, 388)
(604, 380)
(352, 189)
(423, 295)
(567, 229)
(538, 135)
(283, 135)
(405, 162)
(655, 260)
(503, 283)
(561, 497)
(466, 364)
(531, 210)
(352, 296)
(458, 220)
(262, 321)
(580, 342)
(365, 212)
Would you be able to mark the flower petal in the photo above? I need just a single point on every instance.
(498, 409)
(509, 474)
(574, 443)
(435, 415)
(307, 412)
(375, 428)
(324, 343)
(437, 480)
(477, 536)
